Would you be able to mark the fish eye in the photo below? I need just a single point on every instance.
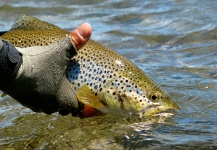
(154, 96)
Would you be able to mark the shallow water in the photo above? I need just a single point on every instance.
(174, 42)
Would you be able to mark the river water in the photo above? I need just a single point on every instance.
(173, 41)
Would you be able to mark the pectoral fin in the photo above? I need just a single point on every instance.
(87, 97)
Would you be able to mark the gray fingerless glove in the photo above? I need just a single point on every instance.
(41, 82)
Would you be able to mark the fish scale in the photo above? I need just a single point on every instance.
(102, 78)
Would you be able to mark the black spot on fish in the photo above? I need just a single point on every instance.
(95, 87)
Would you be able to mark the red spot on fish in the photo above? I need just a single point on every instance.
(88, 112)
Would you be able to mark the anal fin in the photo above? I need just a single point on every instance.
(88, 112)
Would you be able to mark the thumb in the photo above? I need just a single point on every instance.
(81, 35)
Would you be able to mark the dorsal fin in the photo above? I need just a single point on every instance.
(25, 22)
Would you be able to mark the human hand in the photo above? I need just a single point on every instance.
(40, 83)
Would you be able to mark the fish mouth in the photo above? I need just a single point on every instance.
(151, 110)
(157, 109)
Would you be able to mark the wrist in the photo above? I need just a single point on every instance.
(10, 62)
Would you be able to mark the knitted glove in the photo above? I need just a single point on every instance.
(40, 83)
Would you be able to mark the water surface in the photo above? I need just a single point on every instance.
(173, 41)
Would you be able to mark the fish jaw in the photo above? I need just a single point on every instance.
(157, 108)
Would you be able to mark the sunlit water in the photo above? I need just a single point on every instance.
(173, 41)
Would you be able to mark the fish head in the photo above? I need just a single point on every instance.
(131, 96)
(158, 101)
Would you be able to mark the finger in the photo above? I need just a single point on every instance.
(81, 35)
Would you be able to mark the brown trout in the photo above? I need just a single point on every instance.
(102, 78)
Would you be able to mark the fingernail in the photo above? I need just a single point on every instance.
(83, 30)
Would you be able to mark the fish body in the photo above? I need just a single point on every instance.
(102, 78)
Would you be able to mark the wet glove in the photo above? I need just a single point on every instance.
(40, 83)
